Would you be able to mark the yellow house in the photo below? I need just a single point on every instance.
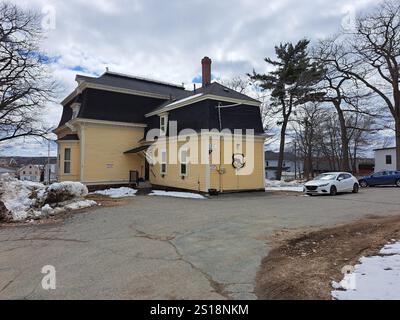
(118, 129)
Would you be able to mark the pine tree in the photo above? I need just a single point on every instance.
(291, 83)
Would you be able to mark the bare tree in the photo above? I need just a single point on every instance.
(340, 90)
(306, 127)
(25, 83)
(373, 57)
(361, 130)
(237, 83)
(249, 87)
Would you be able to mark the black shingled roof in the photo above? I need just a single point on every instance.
(213, 88)
(137, 84)
(218, 89)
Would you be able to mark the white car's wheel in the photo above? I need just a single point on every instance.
(333, 191)
(355, 188)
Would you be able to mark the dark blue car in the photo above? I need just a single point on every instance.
(383, 178)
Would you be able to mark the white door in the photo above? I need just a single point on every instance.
(349, 182)
(341, 183)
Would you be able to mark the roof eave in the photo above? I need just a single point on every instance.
(202, 98)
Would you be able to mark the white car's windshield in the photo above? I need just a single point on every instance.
(326, 176)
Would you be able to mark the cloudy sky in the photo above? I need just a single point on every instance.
(166, 39)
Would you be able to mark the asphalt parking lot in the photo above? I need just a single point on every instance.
(168, 248)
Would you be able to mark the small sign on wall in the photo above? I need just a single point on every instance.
(109, 165)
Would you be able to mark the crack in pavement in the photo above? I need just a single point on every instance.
(218, 287)
(10, 282)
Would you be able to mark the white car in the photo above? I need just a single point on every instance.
(332, 183)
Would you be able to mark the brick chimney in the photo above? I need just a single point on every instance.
(206, 71)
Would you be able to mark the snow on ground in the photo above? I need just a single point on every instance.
(26, 199)
(374, 278)
(275, 185)
(117, 192)
(75, 189)
(80, 204)
(176, 194)
(17, 196)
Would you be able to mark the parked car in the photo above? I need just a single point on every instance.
(383, 178)
(332, 183)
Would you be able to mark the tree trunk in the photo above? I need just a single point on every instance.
(308, 164)
(397, 144)
(281, 149)
(344, 164)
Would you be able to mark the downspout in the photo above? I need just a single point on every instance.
(82, 149)
(219, 107)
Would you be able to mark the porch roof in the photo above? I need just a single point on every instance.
(137, 149)
(69, 137)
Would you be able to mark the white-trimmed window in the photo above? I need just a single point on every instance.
(163, 163)
(163, 124)
(67, 160)
(75, 109)
(184, 162)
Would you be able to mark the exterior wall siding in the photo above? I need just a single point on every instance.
(104, 161)
(75, 160)
(230, 180)
(202, 177)
(194, 180)
(380, 160)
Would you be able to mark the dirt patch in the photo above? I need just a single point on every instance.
(105, 201)
(303, 263)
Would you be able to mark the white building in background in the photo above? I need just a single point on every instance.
(50, 170)
(30, 172)
(385, 159)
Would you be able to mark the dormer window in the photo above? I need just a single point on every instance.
(75, 109)
(163, 125)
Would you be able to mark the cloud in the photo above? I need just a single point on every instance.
(166, 40)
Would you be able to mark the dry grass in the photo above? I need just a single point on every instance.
(303, 263)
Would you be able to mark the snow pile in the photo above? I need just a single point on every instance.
(81, 204)
(276, 185)
(176, 194)
(26, 200)
(117, 192)
(20, 197)
(65, 190)
(374, 278)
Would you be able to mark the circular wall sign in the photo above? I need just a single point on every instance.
(238, 161)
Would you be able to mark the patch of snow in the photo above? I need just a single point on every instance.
(391, 249)
(176, 194)
(276, 185)
(117, 192)
(19, 196)
(26, 200)
(47, 210)
(76, 189)
(80, 204)
(374, 278)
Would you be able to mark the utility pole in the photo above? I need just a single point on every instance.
(48, 162)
